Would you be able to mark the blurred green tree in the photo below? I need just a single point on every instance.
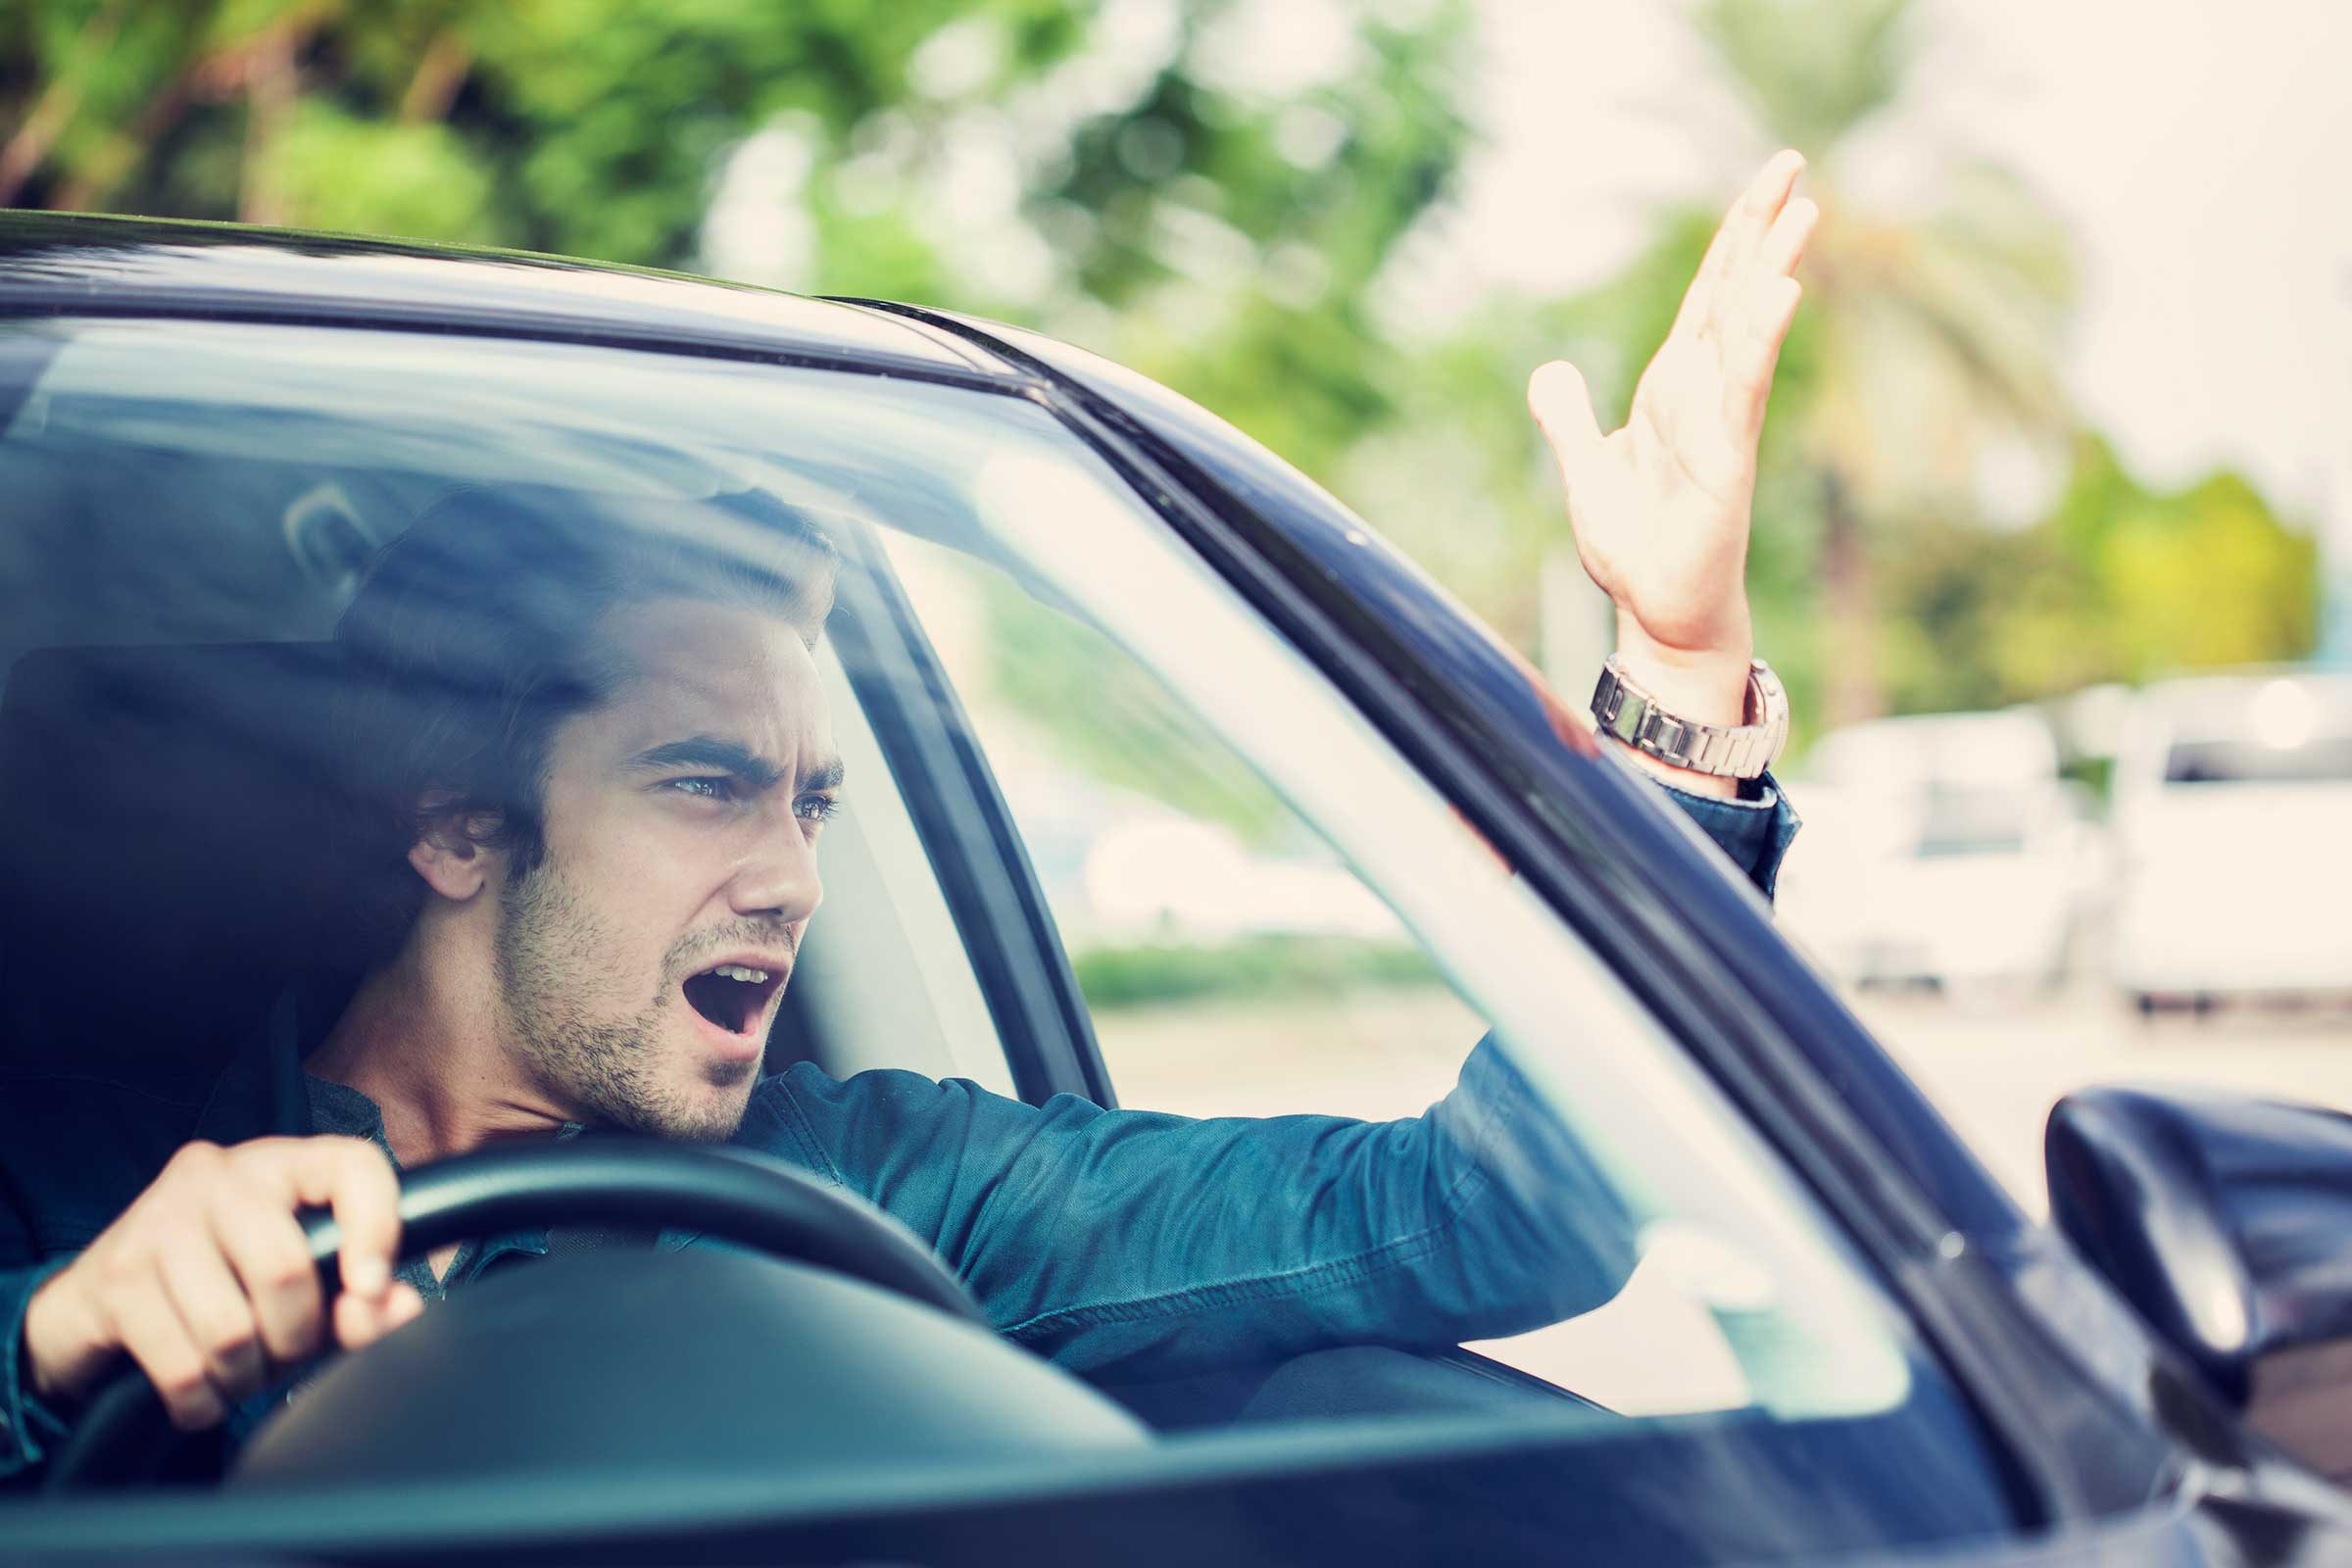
(1149, 167)
(586, 126)
(2201, 576)
(2119, 583)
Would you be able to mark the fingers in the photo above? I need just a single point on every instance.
(213, 1311)
(1785, 244)
(265, 1247)
(1750, 362)
(360, 1321)
(1763, 305)
(1751, 301)
(1750, 297)
(353, 1178)
(1562, 405)
(1743, 234)
(149, 1329)
(1699, 298)
(403, 1305)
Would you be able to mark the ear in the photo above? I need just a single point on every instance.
(452, 853)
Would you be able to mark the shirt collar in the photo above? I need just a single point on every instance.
(259, 1094)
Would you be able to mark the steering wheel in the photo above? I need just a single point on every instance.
(124, 1436)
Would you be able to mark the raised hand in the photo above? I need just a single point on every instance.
(1660, 507)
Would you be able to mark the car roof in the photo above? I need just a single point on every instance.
(82, 264)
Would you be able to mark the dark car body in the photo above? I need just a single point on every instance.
(2114, 1446)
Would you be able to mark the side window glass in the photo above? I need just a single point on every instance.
(1232, 964)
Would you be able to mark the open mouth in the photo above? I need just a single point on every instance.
(734, 996)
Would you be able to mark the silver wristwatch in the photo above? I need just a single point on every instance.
(1632, 716)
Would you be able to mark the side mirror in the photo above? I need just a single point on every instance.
(2226, 1222)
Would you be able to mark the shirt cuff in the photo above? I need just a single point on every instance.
(25, 1423)
(1754, 833)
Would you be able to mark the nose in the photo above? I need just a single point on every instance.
(777, 879)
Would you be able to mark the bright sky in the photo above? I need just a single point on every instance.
(2201, 153)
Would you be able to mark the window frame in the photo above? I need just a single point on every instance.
(968, 832)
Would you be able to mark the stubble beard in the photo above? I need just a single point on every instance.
(552, 954)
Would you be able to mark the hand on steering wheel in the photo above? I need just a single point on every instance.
(728, 1194)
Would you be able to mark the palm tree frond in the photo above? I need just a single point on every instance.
(1813, 70)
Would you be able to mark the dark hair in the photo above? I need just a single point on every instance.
(478, 631)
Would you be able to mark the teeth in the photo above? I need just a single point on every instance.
(737, 971)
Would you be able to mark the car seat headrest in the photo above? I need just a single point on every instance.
(170, 829)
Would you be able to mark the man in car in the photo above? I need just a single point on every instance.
(601, 766)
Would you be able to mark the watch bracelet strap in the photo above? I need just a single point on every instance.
(1627, 713)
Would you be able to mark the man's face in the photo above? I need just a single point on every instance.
(641, 962)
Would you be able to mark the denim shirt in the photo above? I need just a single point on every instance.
(1123, 1244)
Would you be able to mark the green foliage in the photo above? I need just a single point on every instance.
(1242, 277)
(2119, 583)
(1270, 965)
(1813, 68)
(584, 127)
(1978, 618)
(420, 181)
(2201, 576)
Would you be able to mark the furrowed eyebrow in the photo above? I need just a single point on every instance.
(727, 757)
(708, 751)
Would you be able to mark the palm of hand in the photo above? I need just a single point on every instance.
(1660, 507)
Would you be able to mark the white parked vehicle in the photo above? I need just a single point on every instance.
(2233, 795)
(1945, 850)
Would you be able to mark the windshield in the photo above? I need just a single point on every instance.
(527, 700)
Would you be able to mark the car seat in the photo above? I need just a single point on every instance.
(171, 844)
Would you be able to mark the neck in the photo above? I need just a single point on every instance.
(420, 1038)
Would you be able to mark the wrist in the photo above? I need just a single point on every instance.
(1708, 686)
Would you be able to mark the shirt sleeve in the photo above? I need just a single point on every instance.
(27, 1429)
(1135, 1243)
(1754, 833)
